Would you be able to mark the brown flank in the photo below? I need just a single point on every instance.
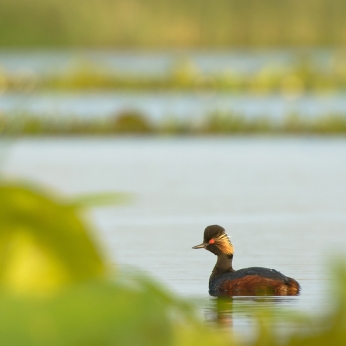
(257, 285)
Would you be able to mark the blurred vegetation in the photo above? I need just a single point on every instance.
(56, 289)
(302, 74)
(167, 23)
(135, 123)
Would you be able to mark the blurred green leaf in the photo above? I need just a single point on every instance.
(97, 313)
(43, 242)
(101, 199)
(55, 288)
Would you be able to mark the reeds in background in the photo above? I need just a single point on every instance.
(292, 79)
(135, 123)
(167, 23)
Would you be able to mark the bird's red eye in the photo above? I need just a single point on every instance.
(211, 241)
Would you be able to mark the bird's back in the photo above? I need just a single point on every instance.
(253, 281)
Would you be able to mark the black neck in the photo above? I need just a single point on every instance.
(223, 265)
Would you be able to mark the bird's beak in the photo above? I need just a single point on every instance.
(200, 246)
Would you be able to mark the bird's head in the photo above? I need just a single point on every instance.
(216, 241)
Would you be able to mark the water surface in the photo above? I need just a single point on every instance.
(159, 62)
(282, 200)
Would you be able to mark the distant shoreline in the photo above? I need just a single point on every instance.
(133, 123)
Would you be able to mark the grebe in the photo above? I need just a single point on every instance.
(224, 280)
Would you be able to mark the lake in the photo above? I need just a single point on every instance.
(282, 201)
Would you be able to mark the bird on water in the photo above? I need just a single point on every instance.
(224, 280)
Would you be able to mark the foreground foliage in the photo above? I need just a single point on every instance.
(56, 289)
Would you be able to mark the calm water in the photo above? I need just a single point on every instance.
(160, 62)
(283, 201)
(159, 105)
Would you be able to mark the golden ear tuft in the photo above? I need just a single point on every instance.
(225, 245)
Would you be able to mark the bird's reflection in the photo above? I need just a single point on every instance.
(223, 310)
